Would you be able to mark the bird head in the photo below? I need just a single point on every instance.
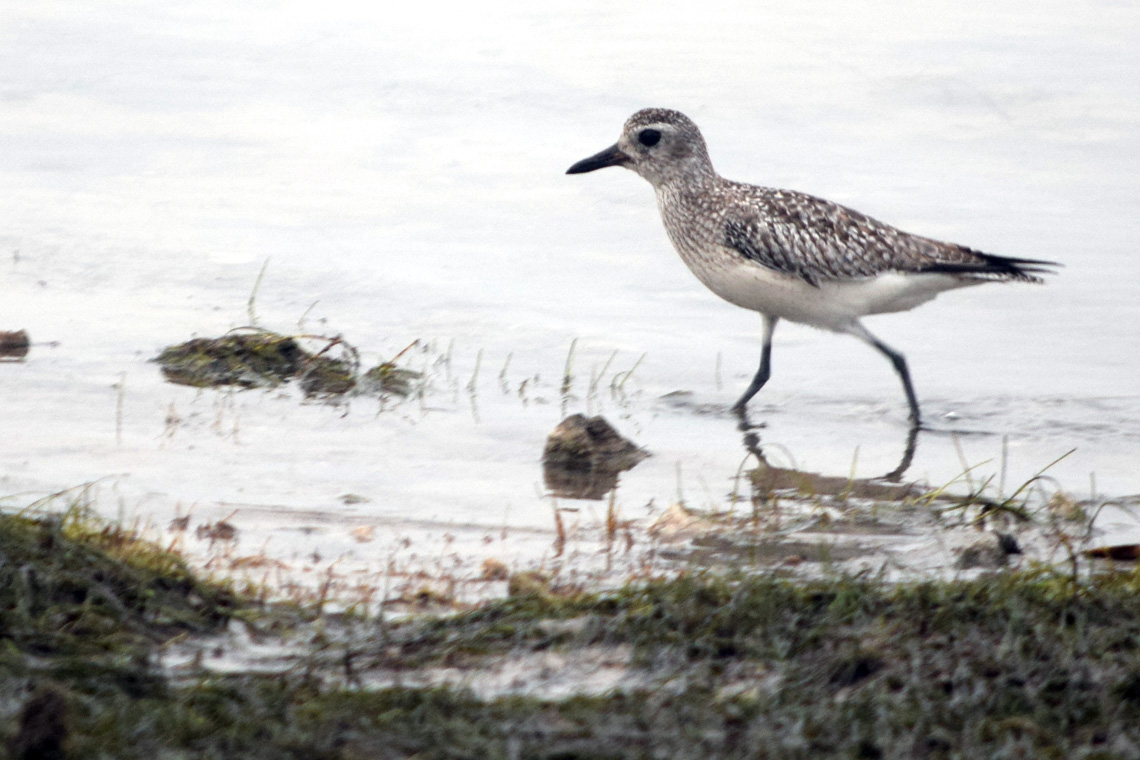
(659, 144)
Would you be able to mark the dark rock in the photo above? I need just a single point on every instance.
(14, 345)
(583, 457)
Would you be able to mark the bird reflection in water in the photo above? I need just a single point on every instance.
(768, 478)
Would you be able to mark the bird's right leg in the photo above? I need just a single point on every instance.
(897, 361)
(765, 370)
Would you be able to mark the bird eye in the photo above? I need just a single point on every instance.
(649, 137)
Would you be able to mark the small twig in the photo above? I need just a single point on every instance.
(567, 375)
(503, 373)
(595, 380)
(304, 314)
(471, 384)
(1004, 463)
(1040, 474)
(850, 477)
(405, 350)
(625, 376)
(253, 294)
(680, 490)
(962, 460)
(559, 531)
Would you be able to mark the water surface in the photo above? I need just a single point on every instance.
(402, 173)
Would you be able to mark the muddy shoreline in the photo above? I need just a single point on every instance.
(115, 648)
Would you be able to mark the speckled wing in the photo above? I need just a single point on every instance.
(819, 241)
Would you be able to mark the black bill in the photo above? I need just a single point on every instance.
(611, 156)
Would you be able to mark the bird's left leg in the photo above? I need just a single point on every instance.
(897, 361)
(765, 370)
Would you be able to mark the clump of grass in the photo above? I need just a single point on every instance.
(84, 606)
(325, 377)
(74, 585)
(388, 379)
(248, 359)
(256, 358)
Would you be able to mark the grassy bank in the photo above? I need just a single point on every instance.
(1029, 664)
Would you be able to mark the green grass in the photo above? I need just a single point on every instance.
(71, 585)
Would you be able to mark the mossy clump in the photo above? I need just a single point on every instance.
(74, 586)
(323, 377)
(254, 358)
(245, 359)
(388, 379)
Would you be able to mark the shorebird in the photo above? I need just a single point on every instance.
(789, 255)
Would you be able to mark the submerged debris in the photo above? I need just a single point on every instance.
(583, 457)
(14, 345)
(325, 377)
(989, 552)
(679, 524)
(1115, 529)
(222, 530)
(388, 379)
(253, 358)
(494, 570)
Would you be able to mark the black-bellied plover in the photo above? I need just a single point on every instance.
(789, 255)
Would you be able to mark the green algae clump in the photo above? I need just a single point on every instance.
(248, 359)
(255, 358)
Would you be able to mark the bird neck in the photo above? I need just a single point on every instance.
(686, 190)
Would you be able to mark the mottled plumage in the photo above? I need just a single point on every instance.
(789, 255)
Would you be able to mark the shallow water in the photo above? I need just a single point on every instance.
(402, 175)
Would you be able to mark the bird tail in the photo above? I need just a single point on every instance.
(987, 266)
